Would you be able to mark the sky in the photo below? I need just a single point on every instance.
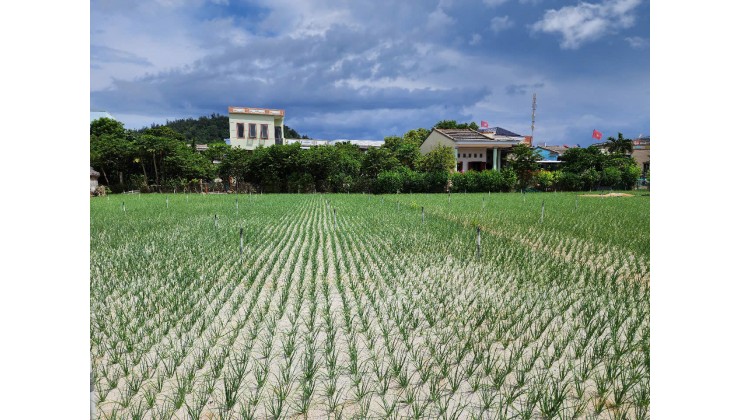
(367, 70)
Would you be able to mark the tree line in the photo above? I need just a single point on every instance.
(159, 158)
(208, 129)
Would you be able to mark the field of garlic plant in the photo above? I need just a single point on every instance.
(358, 306)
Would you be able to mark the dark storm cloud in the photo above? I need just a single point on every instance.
(350, 69)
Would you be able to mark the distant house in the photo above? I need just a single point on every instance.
(94, 175)
(250, 128)
(550, 156)
(474, 150)
(363, 145)
(641, 153)
(307, 143)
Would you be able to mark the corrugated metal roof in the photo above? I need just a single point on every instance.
(465, 134)
(500, 132)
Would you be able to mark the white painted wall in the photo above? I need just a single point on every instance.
(434, 140)
(470, 154)
(246, 119)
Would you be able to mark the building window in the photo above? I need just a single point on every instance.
(252, 131)
(263, 131)
(240, 130)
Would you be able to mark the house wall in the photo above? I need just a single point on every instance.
(246, 142)
(470, 154)
(641, 157)
(434, 140)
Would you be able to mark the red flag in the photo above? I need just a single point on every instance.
(484, 124)
(596, 135)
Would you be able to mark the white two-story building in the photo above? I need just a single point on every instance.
(250, 128)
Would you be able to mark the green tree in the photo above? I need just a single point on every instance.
(107, 126)
(620, 145)
(392, 143)
(448, 124)
(523, 160)
(416, 137)
(439, 159)
(182, 163)
(110, 153)
(348, 169)
(577, 159)
(235, 163)
(319, 163)
(544, 179)
(216, 151)
(377, 160)
(611, 177)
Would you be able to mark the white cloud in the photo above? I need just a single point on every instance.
(439, 18)
(494, 3)
(637, 42)
(587, 21)
(407, 62)
(501, 23)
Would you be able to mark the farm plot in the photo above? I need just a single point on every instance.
(347, 306)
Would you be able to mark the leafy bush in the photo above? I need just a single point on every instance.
(611, 177)
(460, 182)
(568, 181)
(543, 180)
(388, 182)
(484, 181)
(630, 175)
(589, 178)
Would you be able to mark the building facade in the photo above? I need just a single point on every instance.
(473, 150)
(250, 128)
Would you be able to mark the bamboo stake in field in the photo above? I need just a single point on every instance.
(237, 205)
(335, 218)
(123, 206)
(167, 199)
(576, 202)
(542, 214)
(398, 205)
(241, 242)
(448, 197)
(215, 220)
(477, 243)
(422, 214)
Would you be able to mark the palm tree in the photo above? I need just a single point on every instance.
(619, 145)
